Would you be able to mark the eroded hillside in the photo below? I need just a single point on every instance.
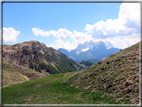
(13, 74)
(117, 77)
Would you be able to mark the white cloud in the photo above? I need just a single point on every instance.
(61, 33)
(124, 42)
(78, 37)
(128, 22)
(10, 34)
(127, 25)
(61, 44)
(129, 14)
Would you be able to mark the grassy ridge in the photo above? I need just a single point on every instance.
(116, 77)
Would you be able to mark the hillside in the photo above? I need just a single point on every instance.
(114, 80)
(37, 56)
(84, 64)
(117, 77)
(13, 74)
(95, 60)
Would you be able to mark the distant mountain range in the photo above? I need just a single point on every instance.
(91, 51)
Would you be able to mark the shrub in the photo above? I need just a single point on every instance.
(31, 66)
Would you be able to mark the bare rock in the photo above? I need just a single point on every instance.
(129, 61)
(99, 62)
(129, 82)
(128, 90)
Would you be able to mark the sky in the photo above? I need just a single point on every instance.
(65, 25)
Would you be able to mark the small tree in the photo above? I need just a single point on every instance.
(39, 69)
(36, 67)
(31, 66)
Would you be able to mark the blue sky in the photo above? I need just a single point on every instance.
(68, 24)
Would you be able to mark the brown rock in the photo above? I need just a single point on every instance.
(128, 90)
(129, 82)
(134, 77)
(129, 61)
(123, 56)
(99, 62)
(137, 79)
(137, 85)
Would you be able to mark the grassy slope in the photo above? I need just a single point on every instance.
(13, 74)
(72, 88)
(48, 90)
(116, 77)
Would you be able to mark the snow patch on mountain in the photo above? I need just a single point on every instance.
(108, 45)
(85, 49)
(77, 53)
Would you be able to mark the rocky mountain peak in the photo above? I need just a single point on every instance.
(108, 45)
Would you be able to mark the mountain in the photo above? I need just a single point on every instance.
(115, 80)
(108, 45)
(95, 60)
(64, 51)
(91, 50)
(37, 56)
(116, 77)
(84, 64)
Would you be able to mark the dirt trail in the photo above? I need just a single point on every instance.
(65, 75)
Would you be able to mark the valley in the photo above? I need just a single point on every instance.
(60, 53)
(115, 80)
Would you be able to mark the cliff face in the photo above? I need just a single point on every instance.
(38, 56)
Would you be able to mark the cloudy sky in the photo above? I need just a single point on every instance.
(65, 25)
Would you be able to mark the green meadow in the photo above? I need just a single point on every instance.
(52, 89)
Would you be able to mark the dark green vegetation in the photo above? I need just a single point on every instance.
(114, 80)
(95, 60)
(87, 63)
(37, 56)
